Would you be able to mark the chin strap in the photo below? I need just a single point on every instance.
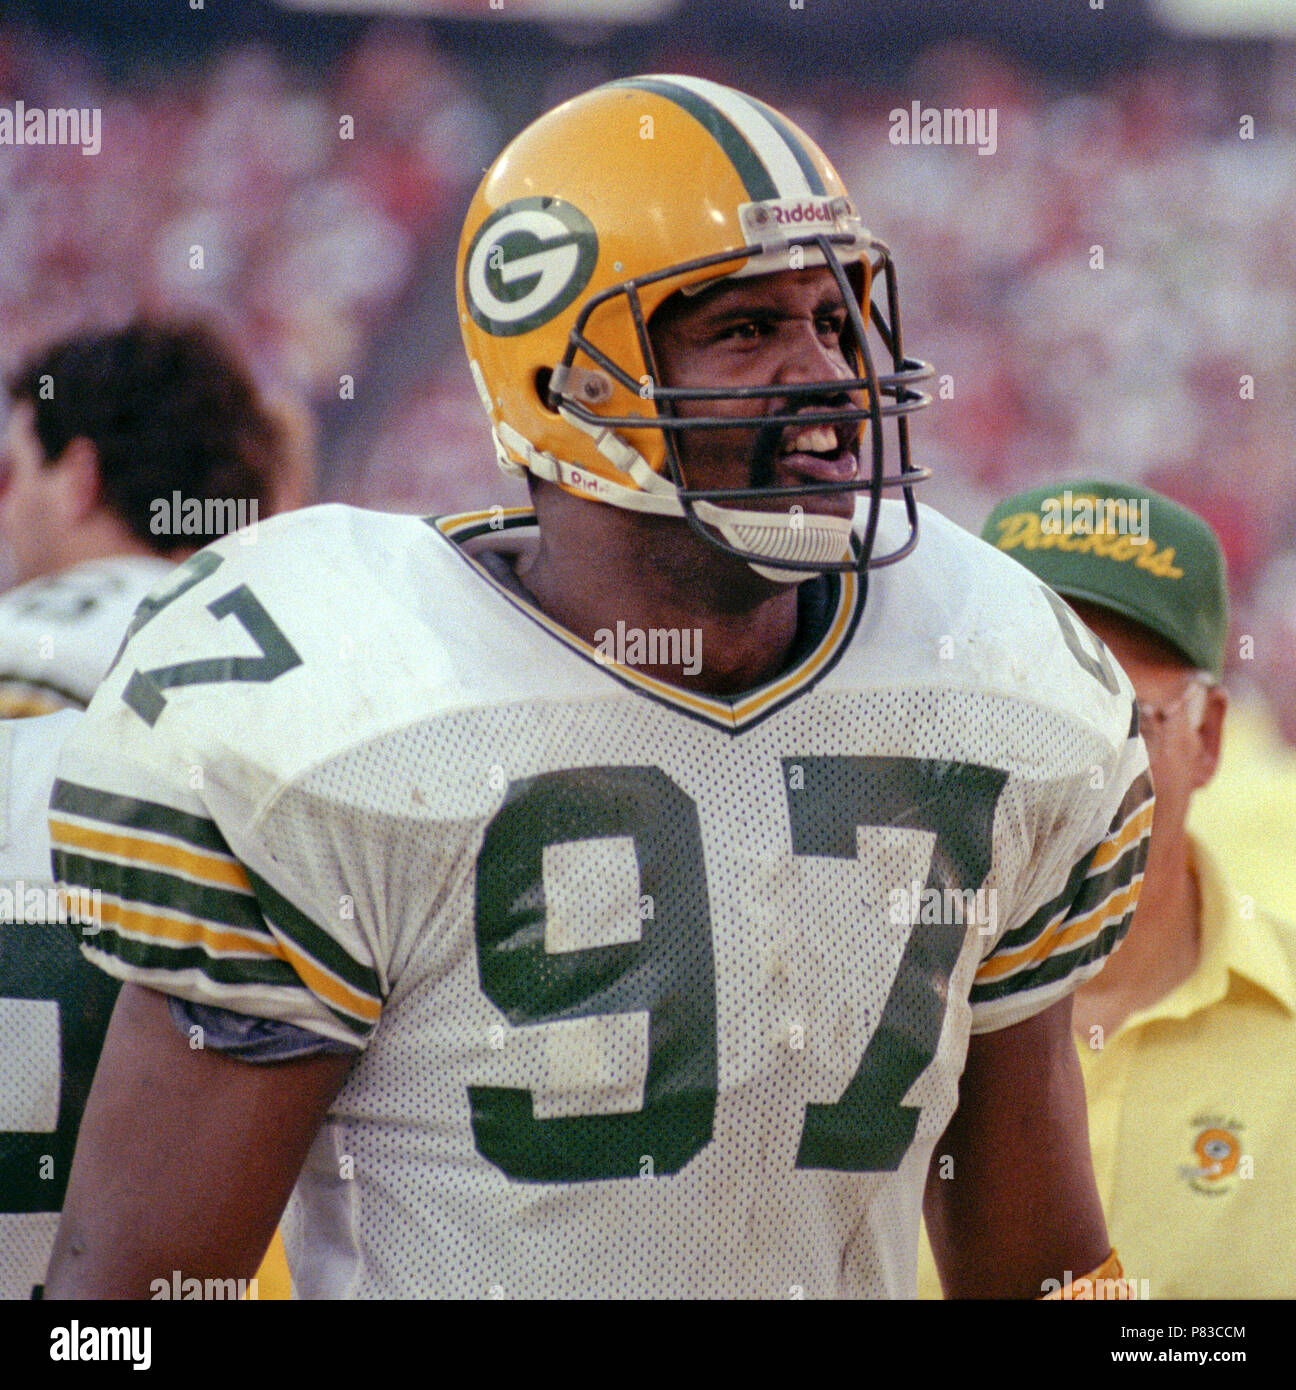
(797, 536)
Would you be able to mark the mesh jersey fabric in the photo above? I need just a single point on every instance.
(659, 995)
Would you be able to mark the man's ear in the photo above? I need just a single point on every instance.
(79, 488)
(1209, 735)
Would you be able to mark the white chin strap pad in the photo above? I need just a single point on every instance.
(797, 536)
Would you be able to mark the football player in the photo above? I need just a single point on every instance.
(102, 429)
(620, 887)
(54, 1009)
(124, 452)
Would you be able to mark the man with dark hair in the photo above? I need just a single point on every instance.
(125, 451)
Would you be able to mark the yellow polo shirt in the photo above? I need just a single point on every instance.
(1192, 1116)
(1247, 812)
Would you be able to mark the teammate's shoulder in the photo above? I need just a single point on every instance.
(79, 593)
(29, 751)
(330, 533)
(59, 632)
(30, 740)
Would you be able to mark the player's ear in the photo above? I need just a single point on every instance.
(663, 328)
(79, 488)
(295, 479)
(1210, 733)
(850, 348)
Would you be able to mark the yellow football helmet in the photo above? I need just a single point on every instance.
(589, 220)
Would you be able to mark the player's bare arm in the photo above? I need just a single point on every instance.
(185, 1158)
(1011, 1200)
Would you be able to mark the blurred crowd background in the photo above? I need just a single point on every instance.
(329, 259)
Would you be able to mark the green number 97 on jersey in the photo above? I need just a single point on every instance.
(668, 972)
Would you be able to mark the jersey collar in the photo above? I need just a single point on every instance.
(733, 714)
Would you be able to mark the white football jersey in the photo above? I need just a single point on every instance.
(59, 633)
(54, 1009)
(659, 994)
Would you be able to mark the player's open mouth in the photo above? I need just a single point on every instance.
(819, 454)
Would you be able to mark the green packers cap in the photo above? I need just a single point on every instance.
(1127, 549)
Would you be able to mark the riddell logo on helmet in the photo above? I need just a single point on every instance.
(802, 212)
(789, 215)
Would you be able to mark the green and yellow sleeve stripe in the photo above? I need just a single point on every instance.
(1086, 920)
(175, 901)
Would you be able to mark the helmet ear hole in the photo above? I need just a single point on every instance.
(541, 382)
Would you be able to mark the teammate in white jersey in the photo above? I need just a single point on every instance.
(54, 1010)
(105, 432)
(124, 452)
(620, 888)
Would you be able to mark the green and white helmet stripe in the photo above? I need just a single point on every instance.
(794, 142)
(770, 158)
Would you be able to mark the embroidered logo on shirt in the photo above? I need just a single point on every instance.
(1219, 1162)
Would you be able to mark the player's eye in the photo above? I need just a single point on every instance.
(746, 330)
(831, 325)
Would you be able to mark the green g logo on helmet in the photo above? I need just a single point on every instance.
(528, 261)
